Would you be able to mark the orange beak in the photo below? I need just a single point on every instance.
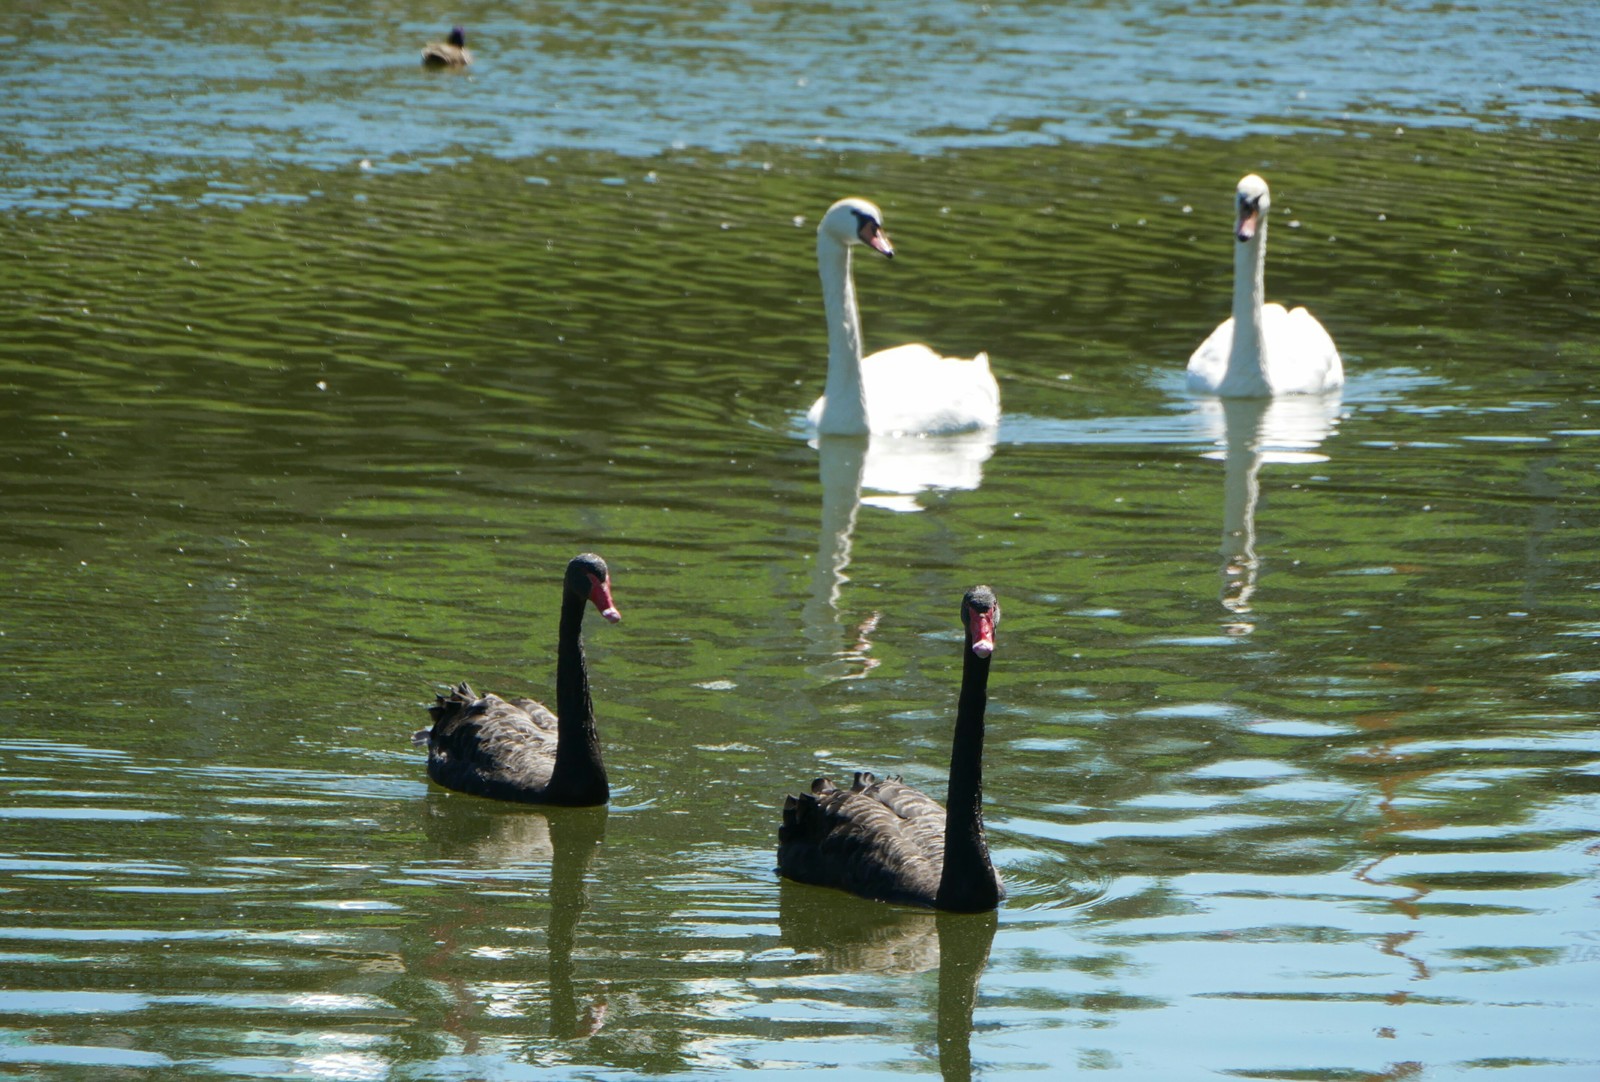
(1249, 220)
(873, 236)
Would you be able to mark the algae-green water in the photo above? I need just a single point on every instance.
(315, 369)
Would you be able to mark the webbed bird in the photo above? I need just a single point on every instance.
(516, 749)
(1262, 349)
(884, 840)
(449, 53)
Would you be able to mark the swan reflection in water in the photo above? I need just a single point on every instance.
(838, 934)
(1250, 432)
(889, 473)
(489, 836)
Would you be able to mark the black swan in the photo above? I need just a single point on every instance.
(516, 749)
(887, 841)
(449, 53)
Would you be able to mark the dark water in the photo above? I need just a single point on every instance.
(1292, 767)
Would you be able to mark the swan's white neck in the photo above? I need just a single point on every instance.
(1247, 370)
(844, 407)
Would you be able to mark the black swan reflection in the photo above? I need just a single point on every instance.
(844, 936)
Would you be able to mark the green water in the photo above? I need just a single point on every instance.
(1291, 767)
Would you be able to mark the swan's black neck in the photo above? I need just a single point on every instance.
(968, 884)
(579, 777)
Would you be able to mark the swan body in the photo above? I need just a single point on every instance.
(516, 749)
(1262, 349)
(450, 53)
(908, 389)
(884, 840)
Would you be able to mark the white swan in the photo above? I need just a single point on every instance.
(1262, 349)
(908, 389)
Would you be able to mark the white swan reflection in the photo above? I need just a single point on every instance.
(889, 473)
(1250, 432)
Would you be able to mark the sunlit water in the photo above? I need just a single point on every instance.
(177, 101)
(1291, 770)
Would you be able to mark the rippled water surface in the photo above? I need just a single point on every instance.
(175, 99)
(1292, 766)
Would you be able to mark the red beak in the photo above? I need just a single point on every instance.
(600, 594)
(980, 632)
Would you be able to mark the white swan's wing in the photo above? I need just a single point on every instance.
(1209, 364)
(1318, 342)
(912, 389)
(1301, 358)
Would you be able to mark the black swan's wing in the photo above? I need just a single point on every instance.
(489, 745)
(879, 839)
